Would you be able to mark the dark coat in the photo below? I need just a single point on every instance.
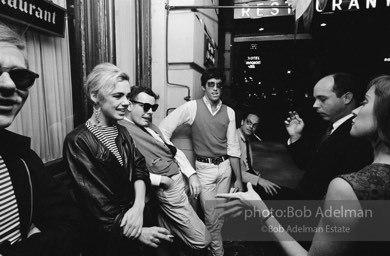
(339, 154)
(41, 200)
(103, 188)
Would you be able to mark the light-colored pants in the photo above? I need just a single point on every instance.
(214, 179)
(179, 217)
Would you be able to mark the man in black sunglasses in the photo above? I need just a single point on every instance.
(216, 146)
(166, 164)
(38, 216)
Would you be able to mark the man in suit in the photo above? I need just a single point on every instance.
(249, 124)
(166, 163)
(337, 152)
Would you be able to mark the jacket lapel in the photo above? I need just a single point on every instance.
(17, 147)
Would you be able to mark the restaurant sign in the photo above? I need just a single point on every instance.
(351, 5)
(42, 15)
(256, 11)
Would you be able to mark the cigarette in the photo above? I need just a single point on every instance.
(257, 137)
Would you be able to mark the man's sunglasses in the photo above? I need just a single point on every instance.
(146, 106)
(23, 78)
(213, 84)
(249, 123)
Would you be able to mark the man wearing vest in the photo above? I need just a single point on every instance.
(37, 215)
(165, 163)
(215, 145)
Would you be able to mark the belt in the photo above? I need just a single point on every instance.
(212, 160)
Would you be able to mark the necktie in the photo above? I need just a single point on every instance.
(9, 214)
(248, 157)
(327, 134)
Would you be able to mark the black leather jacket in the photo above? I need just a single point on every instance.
(103, 188)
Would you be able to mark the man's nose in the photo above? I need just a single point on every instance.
(150, 111)
(6, 83)
(315, 105)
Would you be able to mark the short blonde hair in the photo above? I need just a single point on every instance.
(103, 79)
(9, 36)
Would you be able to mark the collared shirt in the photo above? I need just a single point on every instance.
(185, 114)
(208, 104)
(246, 176)
(181, 159)
(340, 122)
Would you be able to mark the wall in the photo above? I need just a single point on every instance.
(185, 50)
(125, 37)
(185, 57)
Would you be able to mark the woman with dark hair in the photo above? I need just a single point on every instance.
(108, 172)
(350, 191)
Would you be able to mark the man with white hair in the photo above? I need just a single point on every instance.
(37, 216)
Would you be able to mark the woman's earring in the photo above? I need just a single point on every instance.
(96, 112)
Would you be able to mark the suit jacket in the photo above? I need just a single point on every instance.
(339, 154)
(246, 176)
(41, 201)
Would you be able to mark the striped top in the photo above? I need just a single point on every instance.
(9, 213)
(107, 136)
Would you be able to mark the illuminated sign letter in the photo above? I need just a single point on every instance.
(336, 3)
(388, 3)
(318, 7)
(245, 12)
(23, 6)
(12, 3)
(275, 11)
(260, 11)
(372, 3)
(39, 13)
(353, 3)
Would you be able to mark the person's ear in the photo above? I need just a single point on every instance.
(348, 97)
(130, 107)
(94, 98)
(242, 122)
(203, 88)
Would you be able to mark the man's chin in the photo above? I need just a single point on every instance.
(5, 122)
(144, 123)
(324, 117)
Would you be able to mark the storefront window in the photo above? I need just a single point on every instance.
(48, 113)
(125, 37)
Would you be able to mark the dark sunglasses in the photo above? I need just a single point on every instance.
(212, 85)
(249, 123)
(146, 106)
(23, 78)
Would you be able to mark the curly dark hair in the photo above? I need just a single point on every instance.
(135, 90)
(211, 73)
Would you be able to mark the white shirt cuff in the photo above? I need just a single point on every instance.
(155, 179)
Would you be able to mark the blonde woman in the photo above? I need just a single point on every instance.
(109, 173)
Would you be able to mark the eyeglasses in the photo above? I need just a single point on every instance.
(146, 106)
(249, 123)
(213, 84)
(23, 78)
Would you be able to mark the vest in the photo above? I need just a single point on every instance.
(209, 132)
(158, 156)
